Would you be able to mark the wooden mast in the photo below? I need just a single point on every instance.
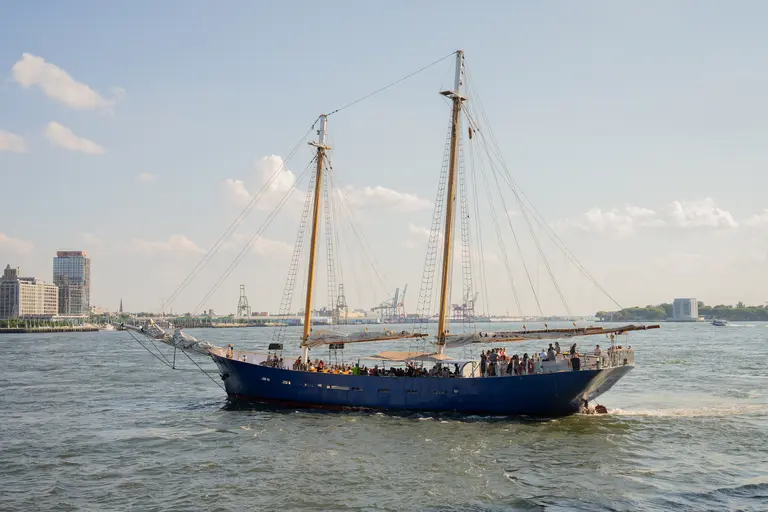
(321, 149)
(455, 95)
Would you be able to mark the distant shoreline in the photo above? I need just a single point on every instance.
(33, 330)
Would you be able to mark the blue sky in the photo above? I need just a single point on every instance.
(637, 129)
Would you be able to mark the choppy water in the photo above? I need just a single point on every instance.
(92, 421)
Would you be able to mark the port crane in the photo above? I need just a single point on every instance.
(466, 311)
(393, 309)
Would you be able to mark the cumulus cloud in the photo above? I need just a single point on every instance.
(678, 214)
(262, 246)
(15, 245)
(12, 142)
(237, 190)
(175, 243)
(699, 214)
(61, 136)
(269, 169)
(418, 230)
(146, 177)
(58, 85)
(382, 196)
(615, 222)
(758, 219)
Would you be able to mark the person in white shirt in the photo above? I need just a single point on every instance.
(599, 354)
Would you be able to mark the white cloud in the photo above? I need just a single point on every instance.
(237, 190)
(15, 245)
(57, 84)
(267, 167)
(12, 142)
(418, 230)
(615, 222)
(758, 219)
(267, 247)
(61, 136)
(678, 214)
(147, 177)
(175, 243)
(382, 196)
(699, 214)
(262, 246)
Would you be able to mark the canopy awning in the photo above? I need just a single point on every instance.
(424, 357)
(329, 337)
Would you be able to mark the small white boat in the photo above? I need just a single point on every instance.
(719, 323)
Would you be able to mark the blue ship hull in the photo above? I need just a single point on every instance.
(543, 395)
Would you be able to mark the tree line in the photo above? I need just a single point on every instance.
(737, 313)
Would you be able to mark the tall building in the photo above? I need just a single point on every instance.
(72, 274)
(685, 310)
(26, 296)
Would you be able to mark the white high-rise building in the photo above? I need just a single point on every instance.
(26, 296)
(685, 310)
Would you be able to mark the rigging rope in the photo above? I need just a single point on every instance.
(163, 360)
(528, 204)
(286, 302)
(478, 224)
(235, 223)
(204, 372)
(255, 236)
(377, 91)
(360, 235)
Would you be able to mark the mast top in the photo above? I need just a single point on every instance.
(321, 133)
(459, 79)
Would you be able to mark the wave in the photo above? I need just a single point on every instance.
(742, 325)
(701, 412)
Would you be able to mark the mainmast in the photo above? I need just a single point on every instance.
(455, 95)
(321, 149)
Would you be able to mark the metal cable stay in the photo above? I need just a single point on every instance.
(485, 158)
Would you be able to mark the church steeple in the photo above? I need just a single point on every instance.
(121, 305)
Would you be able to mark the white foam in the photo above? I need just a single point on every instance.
(701, 412)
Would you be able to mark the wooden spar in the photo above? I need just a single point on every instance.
(321, 148)
(497, 337)
(451, 196)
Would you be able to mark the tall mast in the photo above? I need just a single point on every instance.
(455, 95)
(321, 149)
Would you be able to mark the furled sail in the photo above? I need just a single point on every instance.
(178, 339)
(463, 340)
(331, 337)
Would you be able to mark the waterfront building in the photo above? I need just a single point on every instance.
(26, 296)
(72, 274)
(685, 310)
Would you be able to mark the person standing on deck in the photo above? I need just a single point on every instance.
(575, 361)
(557, 347)
(483, 363)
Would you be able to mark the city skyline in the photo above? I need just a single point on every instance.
(637, 130)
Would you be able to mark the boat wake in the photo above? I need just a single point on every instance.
(700, 412)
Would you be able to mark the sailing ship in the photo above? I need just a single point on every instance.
(430, 376)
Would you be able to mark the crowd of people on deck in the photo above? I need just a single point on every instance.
(493, 363)
(410, 370)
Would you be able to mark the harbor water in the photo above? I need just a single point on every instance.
(92, 421)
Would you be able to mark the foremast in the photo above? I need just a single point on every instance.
(457, 98)
(321, 149)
